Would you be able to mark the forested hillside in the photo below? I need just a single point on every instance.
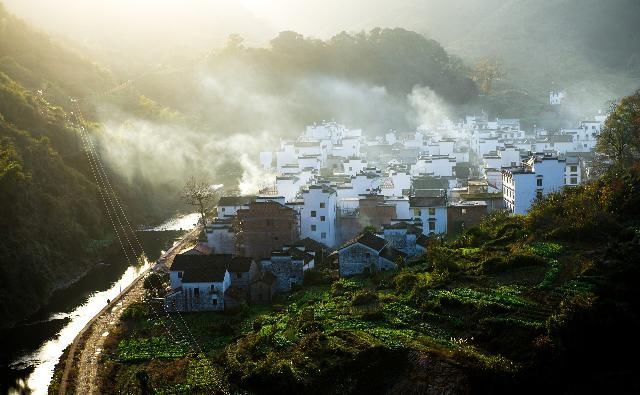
(52, 221)
(362, 79)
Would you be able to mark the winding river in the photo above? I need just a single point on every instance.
(31, 350)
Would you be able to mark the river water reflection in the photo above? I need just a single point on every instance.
(31, 350)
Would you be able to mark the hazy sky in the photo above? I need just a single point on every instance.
(199, 23)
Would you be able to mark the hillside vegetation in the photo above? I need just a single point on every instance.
(362, 79)
(518, 304)
(53, 221)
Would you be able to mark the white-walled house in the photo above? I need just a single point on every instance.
(431, 210)
(288, 186)
(573, 171)
(353, 166)
(319, 215)
(367, 252)
(199, 282)
(402, 206)
(539, 176)
(221, 237)
(403, 237)
(228, 206)
(395, 183)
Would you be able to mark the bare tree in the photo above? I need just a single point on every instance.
(199, 194)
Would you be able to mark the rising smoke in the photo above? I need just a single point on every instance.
(238, 119)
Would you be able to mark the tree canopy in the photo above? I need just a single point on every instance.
(619, 141)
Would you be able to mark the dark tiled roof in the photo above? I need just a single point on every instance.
(239, 264)
(311, 245)
(236, 200)
(210, 273)
(391, 254)
(427, 201)
(208, 268)
(183, 262)
(297, 254)
(367, 239)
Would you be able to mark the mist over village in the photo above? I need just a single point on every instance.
(323, 197)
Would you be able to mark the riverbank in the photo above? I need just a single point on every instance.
(76, 371)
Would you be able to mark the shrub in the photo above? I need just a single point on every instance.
(444, 258)
(317, 277)
(135, 311)
(343, 286)
(363, 297)
(495, 264)
(405, 281)
(524, 260)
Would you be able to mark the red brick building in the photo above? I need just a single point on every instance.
(464, 215)
(264, 227)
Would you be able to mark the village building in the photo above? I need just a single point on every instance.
(403, 236)
(199, 282)
(368, 252)
(318, 217)
(229, 205)
(263, 288)
(264, 227)
(430, 206)
(288, 266)
(463, 215)
(221, 236)
(538, 176)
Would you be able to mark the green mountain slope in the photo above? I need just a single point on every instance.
(52, 219)
(50, 213)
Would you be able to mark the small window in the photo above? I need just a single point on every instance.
(539, 195)
(432, 225)
(350, 168)
(313, 228)
(322, 205)
(574, 180)
(323, 218)
(574, 169)
(223, 209)
(432, 211)
(416, 212)
(196, 292)
(179, 274)
(213, 288)
(464, 211)
(239, 275)
(539, 182)
(313, 213)
(214, 301)
(323, 235)
(367, 255)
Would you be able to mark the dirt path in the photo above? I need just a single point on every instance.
(89, 342)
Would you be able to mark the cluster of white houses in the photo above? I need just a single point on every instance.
(332, 182)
